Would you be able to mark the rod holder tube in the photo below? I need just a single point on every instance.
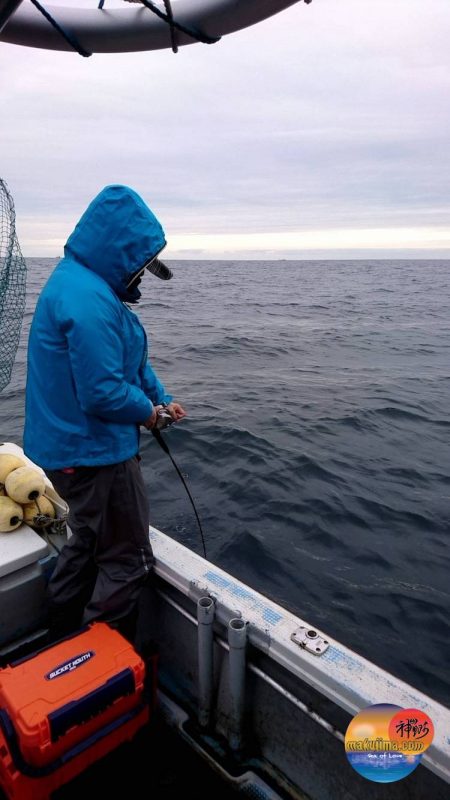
(205, 619)
(237, 642)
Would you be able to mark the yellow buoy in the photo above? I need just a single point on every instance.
(8, 462)
(39, 512)
(11, 515)
(24, 484)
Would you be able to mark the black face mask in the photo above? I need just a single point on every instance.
(156, 267)
(132, 293)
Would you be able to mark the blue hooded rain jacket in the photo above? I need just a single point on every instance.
(89, 382)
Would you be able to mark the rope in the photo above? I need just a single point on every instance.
(167, 17)
(192, 32)
(42, 520)
(70, 39)
(169, 13)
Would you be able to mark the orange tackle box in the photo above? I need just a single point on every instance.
(67, 706)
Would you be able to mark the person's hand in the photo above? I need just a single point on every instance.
(149, 423)
(176, 411)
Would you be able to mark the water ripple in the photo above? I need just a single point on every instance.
(316, 445)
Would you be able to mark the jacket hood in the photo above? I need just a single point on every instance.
(115, 236)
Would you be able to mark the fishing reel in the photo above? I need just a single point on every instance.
(163, 419)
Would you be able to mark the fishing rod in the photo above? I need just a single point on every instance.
(163, 420)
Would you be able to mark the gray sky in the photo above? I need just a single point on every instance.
(322, 132)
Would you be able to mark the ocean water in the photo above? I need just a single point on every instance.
(317, 442)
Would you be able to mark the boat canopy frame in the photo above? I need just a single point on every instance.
(137, 28)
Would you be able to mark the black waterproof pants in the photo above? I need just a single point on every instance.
(101, 569)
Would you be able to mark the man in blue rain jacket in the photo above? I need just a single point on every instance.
(89, 388)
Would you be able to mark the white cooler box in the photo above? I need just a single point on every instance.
(26, 563)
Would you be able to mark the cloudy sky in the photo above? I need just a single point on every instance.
(323, 132)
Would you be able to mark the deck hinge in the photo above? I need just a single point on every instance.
(311, 640)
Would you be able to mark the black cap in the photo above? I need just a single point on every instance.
(156, 267)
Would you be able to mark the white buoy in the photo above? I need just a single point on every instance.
(24, 484)
(8, 462)
(11, 515)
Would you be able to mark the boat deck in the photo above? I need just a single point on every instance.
(156, 764)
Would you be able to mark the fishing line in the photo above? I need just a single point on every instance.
(157, 434)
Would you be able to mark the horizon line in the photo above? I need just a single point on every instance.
(262, 258)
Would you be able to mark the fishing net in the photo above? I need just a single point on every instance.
(13, 273)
